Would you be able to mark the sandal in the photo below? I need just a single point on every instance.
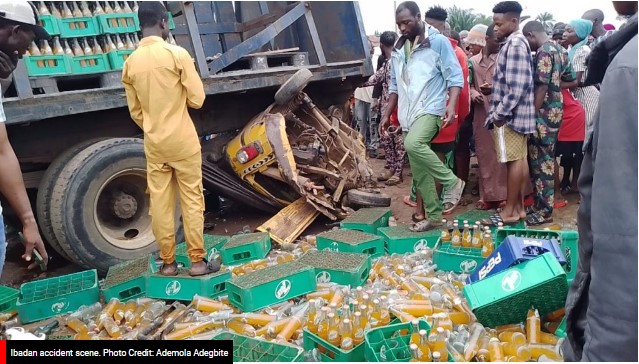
(169, 270)
(416, 220)
(408, 202)
(538, 218)
(394, 180)
(448, 208)
(385, 176)
(495, 219)
(453, 196)
(529, 210)
(560, 204)
(424, 225)
(204, 267)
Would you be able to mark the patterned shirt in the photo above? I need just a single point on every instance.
(549, 68)
(512, 99)
(382, 76)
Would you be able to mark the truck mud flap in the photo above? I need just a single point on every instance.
(215, 179)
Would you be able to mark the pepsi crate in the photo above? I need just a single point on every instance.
(367, 220)
(506, 297)
(90, 64)
(351, 241)
(348, 269)
(183, 287)
(46, 298)
(514, 250)
(50, 23)
(86, 26)
(126, 280)
(244, 248)
(212, 246)
(271, 285)
(568, 240)
(400, 240)
(118, 23)
(117, 58)
(52, 65)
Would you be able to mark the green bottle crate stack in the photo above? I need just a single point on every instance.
(268, 286)
(46, 298)
(348, 269)
(386, 344)
(400, 240)
(506, 297)
(126, 281)
(244, 248)
(116, 34)
(246, 349)
(332, 353)
(367, 220)
(351, 241)
(568, 240)
(183, 287)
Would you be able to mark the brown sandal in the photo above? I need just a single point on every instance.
(169, 270)
(394, 180)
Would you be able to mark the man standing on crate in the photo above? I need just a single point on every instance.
(161, 83)
(18, 28)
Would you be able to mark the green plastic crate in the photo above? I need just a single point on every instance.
(506, 297)
(243, 248)
(50, 23)
(561, 330)
(457, 259)
(400, 240)
(126, 281)
(183, 287)
(117, 58)
(212, 246)
(477, 215)
(82, 64)
(86, 26)
(330, 352)
(246, 349)
(367, 220)
(390, 337)
(568, 241)
(171, 22)
(8, 298)
(53, 65)
(348, 269)
(46, 298)
(351, 241)
(118, 23)
(268, 286)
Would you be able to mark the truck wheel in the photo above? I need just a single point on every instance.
(293, 86)
(368, 199)
(45, 190)
(100, 208)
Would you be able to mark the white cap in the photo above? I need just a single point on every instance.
(24, 13)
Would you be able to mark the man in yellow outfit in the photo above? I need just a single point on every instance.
(161, 82)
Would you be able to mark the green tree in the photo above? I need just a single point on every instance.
(484, 19)
(547, 20)
(461, 19)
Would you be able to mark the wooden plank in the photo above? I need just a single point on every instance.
(290, 222)
(32, 179)
(21, 80)
(225, 13)
(258, 40)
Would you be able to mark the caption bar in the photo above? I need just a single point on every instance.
(162, 351)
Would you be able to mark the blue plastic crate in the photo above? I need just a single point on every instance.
(514, 250)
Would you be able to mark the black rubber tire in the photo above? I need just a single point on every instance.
(45, 190)
(368, 199)
(74, 196)
(293, 86)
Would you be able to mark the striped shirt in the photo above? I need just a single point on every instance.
(512, 99)
(588, 96)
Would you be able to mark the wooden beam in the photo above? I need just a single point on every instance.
(317, 44)
(258, 40)
(196, 42)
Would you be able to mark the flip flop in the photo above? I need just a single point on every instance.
(408, 202)
(423, 226)
(560, 204)
(210, 267)
(415, 219)
(394, 180)
(495, 219)
(169, 270)
(538, 218)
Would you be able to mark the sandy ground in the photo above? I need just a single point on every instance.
(236, 218)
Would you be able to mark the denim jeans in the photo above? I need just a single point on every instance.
(3, 244)
(367, 124)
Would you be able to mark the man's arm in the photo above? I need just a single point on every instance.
(542, 77)
(192, 82)
(518, 74)
(378, 77)
(12, 188)
(452, 73)
(132, 100)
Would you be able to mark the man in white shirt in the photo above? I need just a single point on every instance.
(18, 28)
(362, 111)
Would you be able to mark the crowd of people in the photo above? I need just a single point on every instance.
(515, 98)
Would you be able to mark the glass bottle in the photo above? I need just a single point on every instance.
(533, 326)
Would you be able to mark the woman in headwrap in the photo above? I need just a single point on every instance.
(576, 37)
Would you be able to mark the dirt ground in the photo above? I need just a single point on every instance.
(236, 218)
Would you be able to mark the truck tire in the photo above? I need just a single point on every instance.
(45, 190)
(293, 86)
(368, 199)
(100, 209)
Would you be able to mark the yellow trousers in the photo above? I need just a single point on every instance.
(164, 180)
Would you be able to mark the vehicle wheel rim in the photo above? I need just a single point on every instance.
(121, 210)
